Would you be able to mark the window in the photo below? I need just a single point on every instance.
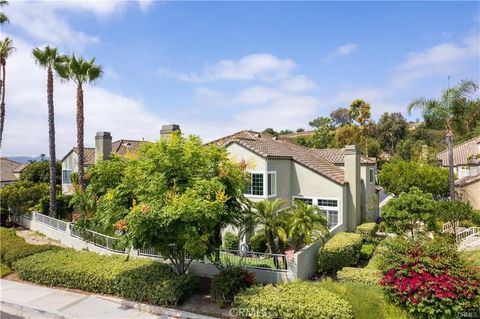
(66, 176)
(332, 218)
(256, 185)
(371, 175)
(262, 184)
(272, 184)
(308, 201)
(327, 202)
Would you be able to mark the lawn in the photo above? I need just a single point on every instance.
(473, 256)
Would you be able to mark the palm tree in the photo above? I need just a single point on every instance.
(451, 100)
(47, 58)
(80, 71)
(267, 214)
(6, 48)
(306, 224)
(3, 16)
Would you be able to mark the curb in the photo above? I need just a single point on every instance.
(32, 312)
(156, 310)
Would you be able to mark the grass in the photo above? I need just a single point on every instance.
(228, 258)
(473, 256)
(367, 301)
(4, 270)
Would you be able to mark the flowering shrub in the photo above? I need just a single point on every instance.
(229, 282)
(431, 284)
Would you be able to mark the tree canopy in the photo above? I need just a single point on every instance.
(391, 129)
(39, 172)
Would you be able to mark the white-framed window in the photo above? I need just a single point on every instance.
(262, 184)
(371, 175)
(308, 201)
(329, 206)
(66, 173)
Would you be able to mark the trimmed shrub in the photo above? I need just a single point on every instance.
(366, 276)
(258, 243)
(300, 299)
(229, 282)
(366, 251)
(367, 230)
(4, 270)
(137, 279)
(342, 250)
(230, 241)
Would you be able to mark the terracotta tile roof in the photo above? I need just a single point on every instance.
(89, 153)
(7, 167)
(336, 155)
(121, 147)
(268, 146)
(20, 168)
(467, 180)
(461, 152)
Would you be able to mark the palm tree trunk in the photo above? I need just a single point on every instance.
(80, 133)
(451, 177)
(51, 140)
(2, 102)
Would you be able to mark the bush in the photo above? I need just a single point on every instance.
(137, 279)
(229, 282)
(258, 243)
(230, 241)
(4, 270)
(292, 300)
(366, 251)
(64, 209)
(367, 230)
(361, 275)
(342, 250)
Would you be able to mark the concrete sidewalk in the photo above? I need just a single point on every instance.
(31, 301)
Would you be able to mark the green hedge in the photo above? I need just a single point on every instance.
(137, 279)
(361, 275)
(342, 250)
(4, 270)
(293, 300)
(367, 230)
(366, 251)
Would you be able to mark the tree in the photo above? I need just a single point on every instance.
(410, 212)
(3, 16)
(305, 224)
(454, 211)
(47, 58)
(347, 135)
(300, 130)
(285, 132)
(267, 215)
(270, 131)
(408, 150)
(6, 48)
(391, 129)
(39, 172)
(445, 108)
(399, 176)
(360, 111)
(80, 71)
(341, 117)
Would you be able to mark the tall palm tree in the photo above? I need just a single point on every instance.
(267, 214)
(80, 71)
(306, 224)
(47, 58)
(3, 16)
(6, 48)
(445, 107)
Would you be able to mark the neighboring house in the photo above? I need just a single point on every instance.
(339, 181)
(466, 163)
(9, 172)
(102, 150)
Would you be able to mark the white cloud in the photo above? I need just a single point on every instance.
(342, 50)
(257, 95)
(298, 84)
(26, 126)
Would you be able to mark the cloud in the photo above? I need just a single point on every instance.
(439, 60)
(258, 66)
(342, 50)
(26, 126)
(297, 84)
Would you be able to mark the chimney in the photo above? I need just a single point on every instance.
(167, 130)
(352, 176)
(103, 146)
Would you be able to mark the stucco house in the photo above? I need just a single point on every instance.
(466, 163)
(9, 171)
(340, 181)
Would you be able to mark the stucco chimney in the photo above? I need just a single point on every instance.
(167, 130)
(352, 176)
(103, 146)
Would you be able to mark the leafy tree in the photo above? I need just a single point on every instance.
(270, 131)
(341, 117)
(6, 48)
(408, 149)
(410, 212)
(267, 215)
(300, 130)
(284, 132)
(305, 224)
(80, 71)
(391, 129)
(3, 16)
(454, 211)
(39, 172)
(320, 122)
(347, 135)
(360, 111)
(399, 176)
(106, 175)
(47, 58)
(446, 107)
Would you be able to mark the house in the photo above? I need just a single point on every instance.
(466, 165)
(340, 181)
(9, 171)
(104, 147)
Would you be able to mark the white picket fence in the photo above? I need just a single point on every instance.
(466, 237)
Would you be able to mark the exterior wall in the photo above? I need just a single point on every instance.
(283, 168)
(368, 191)
(471, 194)
(69, 163)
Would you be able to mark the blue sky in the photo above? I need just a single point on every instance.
(218, 67)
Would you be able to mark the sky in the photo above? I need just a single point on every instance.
(216, 68)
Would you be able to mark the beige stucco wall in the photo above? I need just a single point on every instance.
(284, 176)
(367, 192)
(471, 194)
(69, 163)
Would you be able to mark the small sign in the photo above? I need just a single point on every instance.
(243, 250)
